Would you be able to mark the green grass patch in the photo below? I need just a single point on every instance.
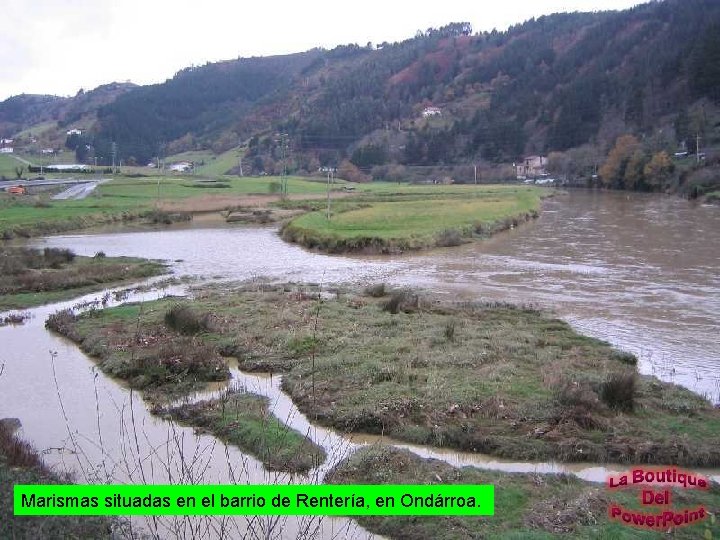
(243, 419)
(124, 199)
(535, 506)
(397, 218)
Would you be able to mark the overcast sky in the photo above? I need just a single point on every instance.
(60, 46)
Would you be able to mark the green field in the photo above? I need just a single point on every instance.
(127, 198)
(8, 164)
(212, 165)
(388, 217)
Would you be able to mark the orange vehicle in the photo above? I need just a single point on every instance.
(16, 190)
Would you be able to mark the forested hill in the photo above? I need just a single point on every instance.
(550, 84)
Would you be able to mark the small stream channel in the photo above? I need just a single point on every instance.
(603, 268)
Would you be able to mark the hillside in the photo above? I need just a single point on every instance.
(555, 83)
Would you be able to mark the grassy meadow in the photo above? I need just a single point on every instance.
(123, 199)
(388, 218)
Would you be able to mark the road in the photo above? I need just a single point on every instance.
(21, 160)
(79, 189)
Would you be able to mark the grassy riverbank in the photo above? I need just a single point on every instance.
(244, 419)
(161, 349)
(30, 277)
(504, 380)
(128, 199)
(527, 506)
(20, 464)
(389, 219)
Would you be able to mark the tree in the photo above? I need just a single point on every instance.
(558, 164)
(350, 172)
(633, 176)
(612, 171)
(658, 170)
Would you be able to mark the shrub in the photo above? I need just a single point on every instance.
(189, 357)
(42, 203)
(625, 357)
(162, 217)
(575, 394)
(619, 390)
(16, 452)
(55, 257)
(376, 291)
(401, 301)
(100, 255)
(450, 330)
(182, 318)
(449, 238)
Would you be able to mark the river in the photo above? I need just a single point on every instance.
(642, 272)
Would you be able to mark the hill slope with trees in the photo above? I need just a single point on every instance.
(568, 85)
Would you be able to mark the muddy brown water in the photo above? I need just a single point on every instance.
(642, 272)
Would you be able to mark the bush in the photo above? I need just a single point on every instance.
(449, 238)
(100, 255)
(55, 257)
(161, 217)
(190, 357)
(450, 331)
(376, 291)
(401, 301)
(618, 392)
(182, 318)
(625, 357)
(575, 394)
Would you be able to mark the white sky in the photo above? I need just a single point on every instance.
(60, 46)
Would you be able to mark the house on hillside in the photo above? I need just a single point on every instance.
(431, 111)
(182, 166)
(6, 150)
(74, 131)
(531, 167)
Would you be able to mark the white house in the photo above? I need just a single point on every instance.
(182, 166)
(431, 111)
(6, 150)
(74, 131)
(6, 142)
(531, 166)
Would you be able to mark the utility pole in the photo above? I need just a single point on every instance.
(283, 147)
(328, 195)
(697, 148)
(475, 168)
(241, 171)
(114, 153)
